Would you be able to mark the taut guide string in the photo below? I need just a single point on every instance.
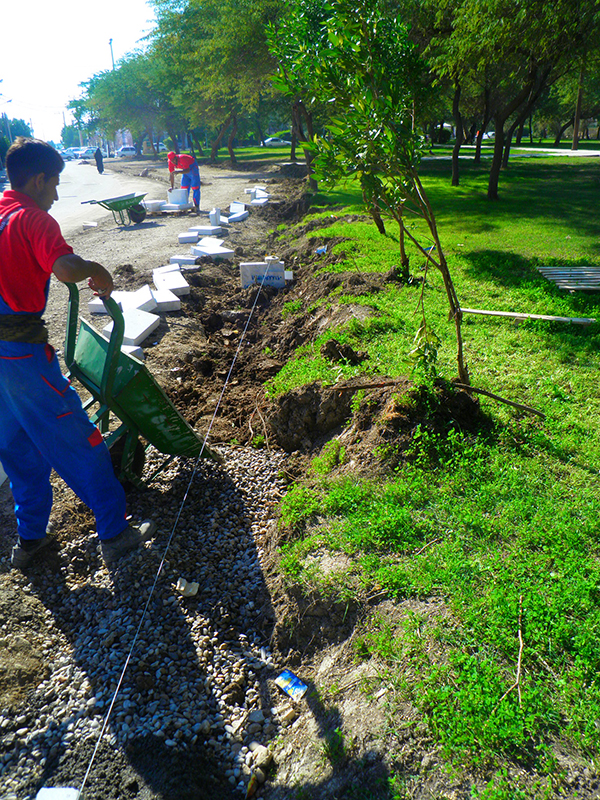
(170, 539)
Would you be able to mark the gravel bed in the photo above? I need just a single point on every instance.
(196, 689)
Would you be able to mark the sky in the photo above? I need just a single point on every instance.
(49, 47)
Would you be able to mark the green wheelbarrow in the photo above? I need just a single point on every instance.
(127, 397)
(126, 208)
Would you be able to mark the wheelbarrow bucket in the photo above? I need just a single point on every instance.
(122, 385)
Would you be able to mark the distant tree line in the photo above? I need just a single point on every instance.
(217, 72)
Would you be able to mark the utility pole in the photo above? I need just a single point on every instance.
(112, 58)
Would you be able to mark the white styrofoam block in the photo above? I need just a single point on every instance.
(167, 268)
(260, 192)
(166, 300)
(188, 237)
(207, 230)
(153, 206)
(217, 253)
(239, 216)
(259, 201)
(141, 298)
(177, 207)
(214, 216)
(184, 259)
(2, 475)
(96, 306)
(174, 282)
(253, 272)
(206, 244)
(204, 237)
(57, 793)
(131, 350)
(138, 325)
(236, 208)
(288, 275)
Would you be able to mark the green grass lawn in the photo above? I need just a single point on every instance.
(503, 526)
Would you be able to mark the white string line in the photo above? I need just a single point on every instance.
(170, 539)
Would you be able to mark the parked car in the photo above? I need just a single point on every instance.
(71, 152)
(86, 152)
(275, 141)
(67, 155)
(126, 152)
(160, 147)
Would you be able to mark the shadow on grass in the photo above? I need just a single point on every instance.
(540, 191)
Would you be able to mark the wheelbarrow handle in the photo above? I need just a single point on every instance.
(114, 344)
(93, 202)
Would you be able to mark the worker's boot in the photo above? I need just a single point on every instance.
(28, 550)
(129, 539)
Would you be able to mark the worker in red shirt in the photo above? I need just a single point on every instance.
(186, 166)
(42, 422)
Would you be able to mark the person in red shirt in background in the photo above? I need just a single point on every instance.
(186, 166)
(42, 422)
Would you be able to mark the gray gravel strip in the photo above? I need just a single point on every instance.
(196, 683)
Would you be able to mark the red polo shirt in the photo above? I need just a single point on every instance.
(29, 246)
(184, 161)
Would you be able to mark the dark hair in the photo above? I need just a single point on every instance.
(28, 157)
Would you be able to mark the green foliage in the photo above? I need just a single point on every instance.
(334, 747)
(498, 527)
(291, 308)
(332, 454)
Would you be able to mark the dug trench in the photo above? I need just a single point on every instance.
(198, 704)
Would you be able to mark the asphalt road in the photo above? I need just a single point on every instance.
(81, 181)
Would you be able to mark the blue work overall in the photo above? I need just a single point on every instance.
(43, 426)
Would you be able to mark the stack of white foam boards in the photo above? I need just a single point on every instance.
(177, 201)
(138, 326)
(237, 212)
(165, 298)
(154, 206)
(258, 195)
(213, 248)
(141, 298)
(185, 260)
(206, 230)
(188, 237)
(171, 279)
(270, 272)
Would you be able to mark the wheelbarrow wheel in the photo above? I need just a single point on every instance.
(137, 213)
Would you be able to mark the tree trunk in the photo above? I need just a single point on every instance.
(173, 138)
(500, 118)
(455, 310)
(558, 136)
(577, 116)
(459, 135)
(198, 144)
(151, 138)
(261, 136)
(217, 142)
(305, 113)
(232, 134)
